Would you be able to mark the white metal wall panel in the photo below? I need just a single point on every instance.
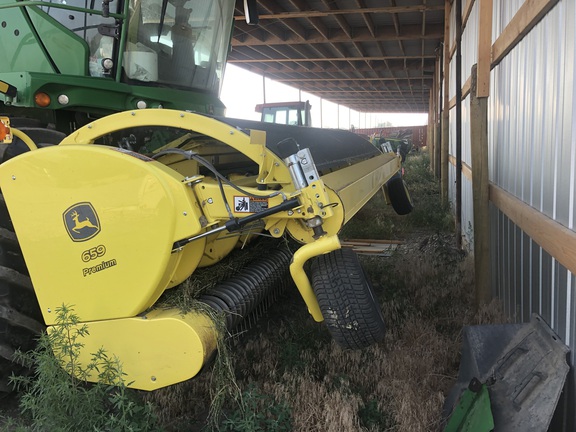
(470, 42)
(532, 155)
(466, 151)
(531, 117)
(504, 11)
(452, 83)
(452, 134)
(469, 46)
(532, 148)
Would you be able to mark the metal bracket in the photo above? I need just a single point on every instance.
(109, 30)
(302, 168)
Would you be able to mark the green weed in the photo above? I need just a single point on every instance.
(57, 396)
(258, 413)
(376, 220)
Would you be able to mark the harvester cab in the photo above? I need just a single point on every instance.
(130, 204)
(67, 63)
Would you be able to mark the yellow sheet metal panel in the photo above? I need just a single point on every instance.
(331, 224)
(96, 226)
(161, 348)
(356, 184)
(272, 169)
(217, 247)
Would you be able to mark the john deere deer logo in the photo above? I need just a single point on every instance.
(81, 222)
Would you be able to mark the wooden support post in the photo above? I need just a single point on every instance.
(479, 93)
(446, 110)
(480, 191)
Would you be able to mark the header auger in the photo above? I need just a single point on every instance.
(132, 204)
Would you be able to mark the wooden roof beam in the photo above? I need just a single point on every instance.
(336, 59)
(411, 32)
(331, 12)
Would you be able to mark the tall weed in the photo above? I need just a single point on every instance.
(57, 396)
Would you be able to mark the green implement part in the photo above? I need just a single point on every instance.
(473, 412)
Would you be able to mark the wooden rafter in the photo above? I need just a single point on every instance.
(367, 58)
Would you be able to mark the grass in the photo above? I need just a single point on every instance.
(288, 367)
(290, 376)
(378, 221)
(57, 397)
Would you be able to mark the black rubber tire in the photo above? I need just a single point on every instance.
(346, 300)
(20, 316)
(399, 196)
(42, 137)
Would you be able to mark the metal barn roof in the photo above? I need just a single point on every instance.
(369, 55)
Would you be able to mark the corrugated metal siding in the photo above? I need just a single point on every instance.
(470, 41)
(469, 56)
(504, 11)
(531, 139)
(532, 154)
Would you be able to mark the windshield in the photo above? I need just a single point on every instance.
(180, 43)
(87, 26)
(185, 45)
(283, 115)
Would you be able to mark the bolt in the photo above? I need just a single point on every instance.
(304, 161)
(317, 195)
(49, 310)
(231, 132)
(276, 164)
(290, 212)
(185, 213)
(89, 126)
(210, 200)
(276, 231)
(13, 177)
(153, 378)
(320, 205)
(181, 115)
(133, 113)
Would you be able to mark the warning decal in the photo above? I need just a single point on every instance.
(246, 204)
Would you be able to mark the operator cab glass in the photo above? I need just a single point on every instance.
(283, 115)
(90, 27)
(186, 45)
(175, 43)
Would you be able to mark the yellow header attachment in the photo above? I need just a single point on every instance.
(131, 204)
